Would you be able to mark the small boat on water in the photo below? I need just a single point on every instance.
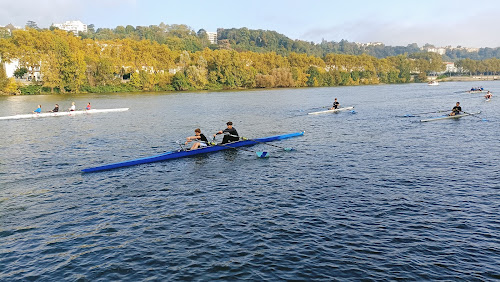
(331, 111)
(433, 83)
(181, 153)
(476, 90)
(449, 117)
(68, 113)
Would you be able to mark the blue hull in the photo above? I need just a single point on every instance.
(182, 154)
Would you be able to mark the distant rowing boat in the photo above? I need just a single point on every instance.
(433, 83)
(331, 111)
(449, 117)
(181, 154)
(69, 113)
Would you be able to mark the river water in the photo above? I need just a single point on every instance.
(364, 195)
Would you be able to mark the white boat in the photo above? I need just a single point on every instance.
(448, 117)
(331, 111)
(433, 83)
(68, 113)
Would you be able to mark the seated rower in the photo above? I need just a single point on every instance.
(73, 107)
(488, 95)
(336, 105)
(56, 109)
(230, 133)
(38, 110)
(199, 137)
(88, 107)
(456, 110)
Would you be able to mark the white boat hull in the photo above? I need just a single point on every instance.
(449, 117)
(57, 114)
(331, 111)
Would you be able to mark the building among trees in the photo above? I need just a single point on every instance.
(212, 37)
(73, 26)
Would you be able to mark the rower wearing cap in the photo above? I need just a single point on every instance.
(230, 133)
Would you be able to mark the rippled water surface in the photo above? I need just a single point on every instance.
(364, 195)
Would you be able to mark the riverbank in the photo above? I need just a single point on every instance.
(471, 78)
(28, 89)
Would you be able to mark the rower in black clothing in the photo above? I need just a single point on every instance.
(56, 109)
(456, 110)
(201, 140)
(336, 105)
(230, 133)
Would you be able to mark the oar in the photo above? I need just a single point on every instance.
(284, 148)
(324, 107)
(259, 154)
(180, 144)
(245, 138)
(474, 115)
(414, 115)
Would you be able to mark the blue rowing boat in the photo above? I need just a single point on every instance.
(181, 154)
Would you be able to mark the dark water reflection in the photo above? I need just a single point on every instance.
(364, 196)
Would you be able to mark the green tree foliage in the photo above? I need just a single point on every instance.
(180, 82)
(20, 72)
(486, 67)
(32, 24)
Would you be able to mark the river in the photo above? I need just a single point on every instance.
(369, 194)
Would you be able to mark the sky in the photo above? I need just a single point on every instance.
(392, 22)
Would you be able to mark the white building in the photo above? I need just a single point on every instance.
(440, 51)
(450, 67)
(11, 67)
(73, 26)
(32, 74)
(212, 37)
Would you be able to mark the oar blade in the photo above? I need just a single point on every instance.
(288, 149)
(262, 154)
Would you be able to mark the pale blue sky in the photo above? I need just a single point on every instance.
(393, 22)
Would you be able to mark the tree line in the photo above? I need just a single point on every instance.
(76, 64)
(181, 37)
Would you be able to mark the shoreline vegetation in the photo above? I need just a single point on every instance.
(60, 62)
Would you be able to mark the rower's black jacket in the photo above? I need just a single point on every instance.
(227, 138)
(203, 138)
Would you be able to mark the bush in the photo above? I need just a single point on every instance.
(31, 89)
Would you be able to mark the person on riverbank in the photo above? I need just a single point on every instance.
(38, 109)
(88, 107)
(230, 133)
(200, 138)
(73, 107)
(56, 109)
(456, 110)
(335, 105)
